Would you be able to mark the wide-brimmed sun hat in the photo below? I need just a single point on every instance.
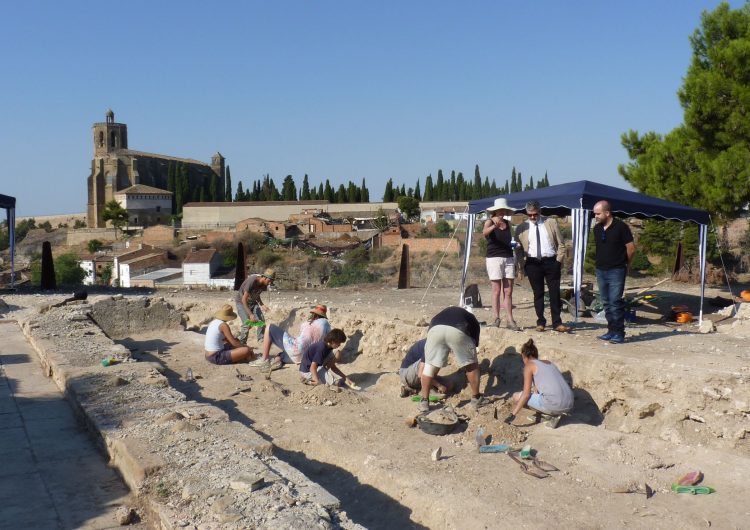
(320, 310)
(225, 313)
(500, 204)
(270, 274)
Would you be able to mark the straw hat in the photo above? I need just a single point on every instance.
(500, 204)
(225, 313)
(270, 274)
(320, 310)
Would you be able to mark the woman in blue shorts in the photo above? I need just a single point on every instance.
(220, 345)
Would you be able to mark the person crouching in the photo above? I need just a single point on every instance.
(221, 347)
(318, 364)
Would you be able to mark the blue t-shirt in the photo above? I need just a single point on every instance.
(415, 353)
(316, 353)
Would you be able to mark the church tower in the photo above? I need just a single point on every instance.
(109, 136)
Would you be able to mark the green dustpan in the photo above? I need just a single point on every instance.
(433, 397)
(693, 490)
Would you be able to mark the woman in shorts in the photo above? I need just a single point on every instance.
(501, 264)
(221, 347)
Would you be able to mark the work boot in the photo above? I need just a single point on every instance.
(260, 362)
(562, 328)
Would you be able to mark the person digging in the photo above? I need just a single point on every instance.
(411, 370)
(452, 329)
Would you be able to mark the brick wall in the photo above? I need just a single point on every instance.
(433, 245)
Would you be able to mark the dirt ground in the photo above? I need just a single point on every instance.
(668, 401)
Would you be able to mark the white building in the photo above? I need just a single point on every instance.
(200, 265)
(90, 269)
(145, 205)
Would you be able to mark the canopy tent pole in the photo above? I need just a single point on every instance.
(581, 221)
(467, 253)
(702, 244)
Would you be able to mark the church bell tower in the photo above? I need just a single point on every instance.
(109, 136)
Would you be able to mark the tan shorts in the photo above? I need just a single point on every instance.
(442, 339)
(501, 268)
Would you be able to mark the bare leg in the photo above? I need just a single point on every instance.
(497, 293)
(426, 384)
(267, 343)
(507, 288)
(241, 354)
(472, 374)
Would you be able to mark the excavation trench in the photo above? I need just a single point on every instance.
(641, 415)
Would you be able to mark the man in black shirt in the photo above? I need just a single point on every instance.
(453, 329)
(614, 252)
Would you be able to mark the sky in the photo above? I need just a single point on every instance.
(343, 90)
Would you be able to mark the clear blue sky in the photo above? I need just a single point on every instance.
(340, 90)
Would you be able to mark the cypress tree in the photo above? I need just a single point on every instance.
(438, 192)
(402, 193)
(320, 194)
(213, 190)
(428, 189)
(171, 185)
(453, 191)
(365, 192)
(240, 195)
(351, 193)
(476, 189)
(460, 187)
(388, 193)
(328, 193)
(417, 192)
(341, 194)
(228, 187)
(305, 196)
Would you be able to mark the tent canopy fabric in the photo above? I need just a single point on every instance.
(7, 202)
(561, 198)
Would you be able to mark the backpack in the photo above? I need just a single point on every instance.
(472, 298)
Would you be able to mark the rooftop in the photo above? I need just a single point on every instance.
(200, 256)
(142, 189)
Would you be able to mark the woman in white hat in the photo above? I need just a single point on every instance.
(220, 345)
(501, 265)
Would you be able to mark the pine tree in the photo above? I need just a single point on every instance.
(388, 193)
(228, 187)
(289, 189)
(305, 189)
(417, 192)
(240, 195)
(321, 196)
(476, 189)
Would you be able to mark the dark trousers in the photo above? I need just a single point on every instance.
(538, 271)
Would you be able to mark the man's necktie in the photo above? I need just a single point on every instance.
(538, 242)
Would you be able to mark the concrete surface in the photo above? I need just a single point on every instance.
(51, 474)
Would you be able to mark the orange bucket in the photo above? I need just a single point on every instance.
(745, 295)
(684, 317)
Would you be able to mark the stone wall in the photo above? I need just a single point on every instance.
(121, 317)
(84, 235)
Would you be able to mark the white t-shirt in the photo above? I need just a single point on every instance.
(214, 337)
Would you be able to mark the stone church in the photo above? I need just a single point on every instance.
(115, 168)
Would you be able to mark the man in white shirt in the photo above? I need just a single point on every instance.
(541, 252)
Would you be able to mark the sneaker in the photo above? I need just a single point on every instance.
(479, 402)
(260, 362)
(539, 328)
(423, 405)
(405, 391)
(617, 338)
(535, 418)
(495, 324)
(606, 336)
(562, 328)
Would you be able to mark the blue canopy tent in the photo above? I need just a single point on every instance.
(9, 203)
(577, 199)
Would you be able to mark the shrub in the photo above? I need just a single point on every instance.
(379, 255)
(94, 245)
(79, 224)
(443, 227)
(482, 244)
(640, 262)
(357, 256)
(266, 258)
(351, 274)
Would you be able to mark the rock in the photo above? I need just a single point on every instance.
(422, 323)
(125, 515)
(169, 417)
(117, 297)
(184, 426)
(116, 380)
(707, 327)
(711, 392)
(649, 410)
(246, 482)
(436, 454)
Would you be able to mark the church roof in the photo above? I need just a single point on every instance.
(131, 152)
(142, 189)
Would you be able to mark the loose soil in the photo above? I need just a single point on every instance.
(668, 401)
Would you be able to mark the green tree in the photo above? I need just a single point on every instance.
(365, 193)
(94, 245)
(417, 192)
(705, 162)
(409, 207)
(228, 187)
(240, 195)
(439, 186)
(115, 213)
(513, 185)
(68, 271)
(341, 194)
(289, 189)
(305, 195)
(476, 192)
(321, 194)
(213, 188)
(388, 193)
(428, 189)
(172, 184)
(328, 194)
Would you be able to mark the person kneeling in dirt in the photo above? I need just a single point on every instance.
(293, 348)
(318, 364)
(411, 372)
(553, 396)
(221, 346)
(453, 328)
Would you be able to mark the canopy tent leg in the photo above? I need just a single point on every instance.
(467, 253)
(581, 221)
(702, 244)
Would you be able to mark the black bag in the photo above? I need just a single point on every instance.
(472, 298)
